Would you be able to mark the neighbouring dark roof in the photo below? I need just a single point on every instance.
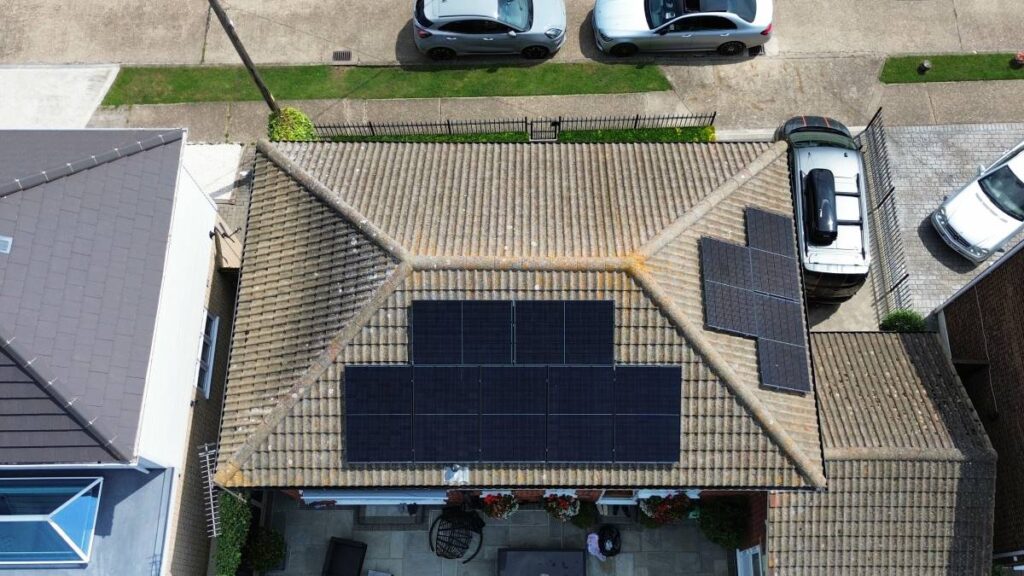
(911, 473)
(342, 237)
(79, 290)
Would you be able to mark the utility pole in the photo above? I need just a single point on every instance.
(229, 29)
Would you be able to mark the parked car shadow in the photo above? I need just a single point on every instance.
(939, 250)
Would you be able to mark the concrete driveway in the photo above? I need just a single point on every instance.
(33, 97)
(309, 31)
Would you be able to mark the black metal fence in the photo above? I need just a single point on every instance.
(536, 128)
(889, 261)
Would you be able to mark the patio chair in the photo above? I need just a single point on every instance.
(344, 558)
(452, 532)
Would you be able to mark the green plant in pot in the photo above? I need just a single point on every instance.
(661, 510)
(265, 549)
(562, 507)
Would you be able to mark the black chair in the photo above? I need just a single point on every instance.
(344, 558)
(452, 533)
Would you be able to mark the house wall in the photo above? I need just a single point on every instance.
(985, 331)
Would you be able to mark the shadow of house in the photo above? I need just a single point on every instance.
(911, 472)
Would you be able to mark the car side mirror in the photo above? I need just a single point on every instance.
(512, 34)
(981, 168)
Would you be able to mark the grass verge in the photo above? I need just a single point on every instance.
(696, 134)
(169, 85)
(950, 68)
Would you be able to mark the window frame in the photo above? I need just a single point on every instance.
(84, 556)
(500, 27)
(204, 374)
(671, 26)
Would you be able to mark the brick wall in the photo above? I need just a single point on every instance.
(190, 548)
(986, 324)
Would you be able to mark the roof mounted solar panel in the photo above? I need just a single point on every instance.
(540, 332)
(780, 320)
(725, 263)
(580, 438)
(590, 332)
(513, 438)
(447, 438)
(447, 389)
(581, 390)
(513, 390)
(775, 274)
(436, 332)
(487, 332)
(379, 438)
(770, 232)
(730, 309)
(647, 438)
(648, 390)
(378, 390)
(783, 366)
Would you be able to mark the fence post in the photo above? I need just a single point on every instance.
(370, 124)
(636, 122)
(449, 126)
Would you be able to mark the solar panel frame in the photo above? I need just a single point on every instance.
(378, 438)
(775, 274)
(436, 336)
(487, 332)
(783, 367)
(770, 232)
(780, 320)
(730, 309)
(589, 332)
(539, 332)
(725, 263)
(378, 389)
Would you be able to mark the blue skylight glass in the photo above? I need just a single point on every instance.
(47, 520)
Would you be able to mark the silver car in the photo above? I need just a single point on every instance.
(625, 27)
(443, 29)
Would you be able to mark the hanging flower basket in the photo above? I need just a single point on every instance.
(665, 510)
(562, 507)
(500, 506)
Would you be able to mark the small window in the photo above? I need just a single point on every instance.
(702, 23)
(207, 354)
(475, 27)
(48, 520)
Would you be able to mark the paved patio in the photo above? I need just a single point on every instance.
(404, 551)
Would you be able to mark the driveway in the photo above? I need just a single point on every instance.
(929, 163)
(309, 31)
(51, 96)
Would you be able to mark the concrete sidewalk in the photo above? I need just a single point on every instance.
(51, 96)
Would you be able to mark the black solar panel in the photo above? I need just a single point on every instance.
(575, 438)
(770, 232)
(775, 274)
(378, 438)
(507, 438)
(436, 332)
(540, 332)
(647, 438)
(487, 332)
(730, 309)
(725, 263)
(447, 390)
(378, 390)
(580, 390)
(590, 332)
(780, 320)
(647, 390)
(513, 390)
(783, 366)
(447, 438)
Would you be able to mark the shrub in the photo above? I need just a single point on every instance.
(265, 549)
(290, 125)
(588, 516)
(903, 321)
(724, 521)
(235, 516)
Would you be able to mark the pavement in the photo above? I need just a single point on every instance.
(52, 96)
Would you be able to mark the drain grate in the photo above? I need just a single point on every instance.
(342, 56)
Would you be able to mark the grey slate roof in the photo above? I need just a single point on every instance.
(342, 237)
(79, 290)
(911, 471)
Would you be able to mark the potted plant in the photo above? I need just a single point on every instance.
(500, 506)
(562, 507)
(661, 510)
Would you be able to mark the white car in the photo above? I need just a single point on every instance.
(985, 214)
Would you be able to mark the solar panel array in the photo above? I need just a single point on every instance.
(503, 381)
(754, 291)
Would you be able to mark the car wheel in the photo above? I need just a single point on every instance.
(731, 48)
(535, 52)
(441, 54)
(623, 50)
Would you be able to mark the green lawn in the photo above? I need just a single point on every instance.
(696, 134)
(167, 85)
(951, 68)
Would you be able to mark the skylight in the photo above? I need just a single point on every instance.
(48, 520)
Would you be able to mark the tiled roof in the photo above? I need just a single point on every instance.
(911, 472)
(89, 212)
(486, 222)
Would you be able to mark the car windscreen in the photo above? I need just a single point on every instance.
(800, 139)
(662, 11)
(516, 13)
(1005, 190)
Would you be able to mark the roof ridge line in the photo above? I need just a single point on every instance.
(729, 378)
(541, 263)
(81, 165)
(907, 454)
(103, 439)
(325, 195)
(233, 464)
(719, 194)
